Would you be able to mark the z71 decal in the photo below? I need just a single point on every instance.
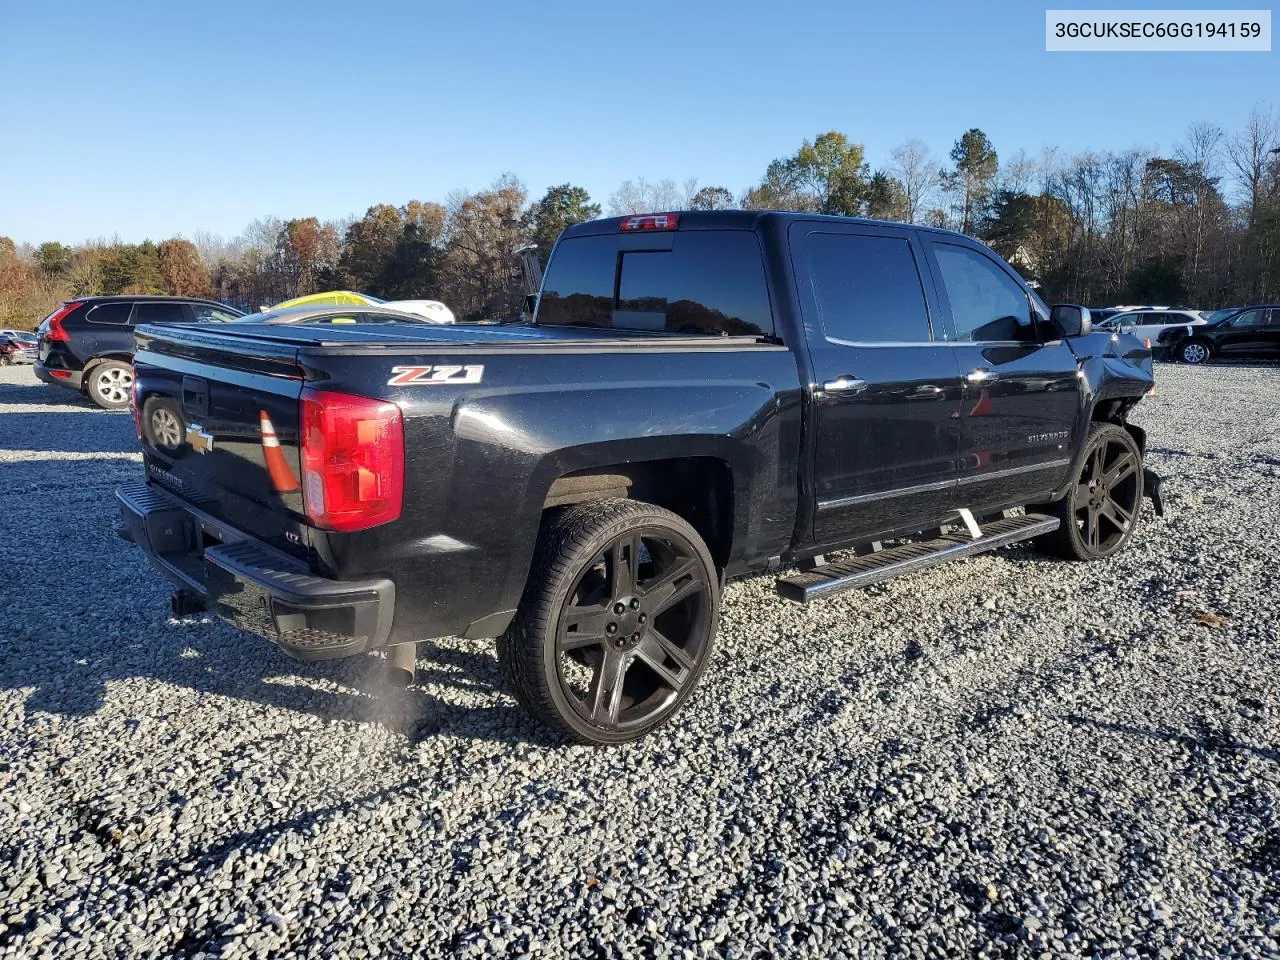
(439, 373)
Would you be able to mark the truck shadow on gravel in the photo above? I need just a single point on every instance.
(195, 656)
(107, 623)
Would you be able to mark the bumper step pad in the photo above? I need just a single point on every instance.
(832, 578)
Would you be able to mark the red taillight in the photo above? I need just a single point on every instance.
(135, 403)
(60, 374)
(651, 221)
(352, 460)
(55, 330)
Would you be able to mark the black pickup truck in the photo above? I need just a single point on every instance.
(698, 396)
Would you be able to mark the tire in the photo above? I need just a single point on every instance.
(1194, 352)
(4, 360)
(1098, 520)
(163, 424)
(604, 650)
(109, 383)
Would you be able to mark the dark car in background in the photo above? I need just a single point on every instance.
(16, 347)
(87, 343)
(1251, 333)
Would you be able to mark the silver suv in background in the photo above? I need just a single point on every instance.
(1147, 324)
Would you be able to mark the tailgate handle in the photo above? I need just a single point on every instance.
(195, 396)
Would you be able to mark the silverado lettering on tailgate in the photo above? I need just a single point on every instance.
(439, 373)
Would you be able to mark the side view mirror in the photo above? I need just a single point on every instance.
(1071, 319)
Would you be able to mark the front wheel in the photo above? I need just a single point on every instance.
(616, 624)
(1194, 352)
(1100, 512)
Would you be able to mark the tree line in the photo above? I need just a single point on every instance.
(1197, 225)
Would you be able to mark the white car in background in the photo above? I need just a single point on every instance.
(1147, 324)
(432, 310)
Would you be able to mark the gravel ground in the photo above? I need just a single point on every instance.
(1010, 756)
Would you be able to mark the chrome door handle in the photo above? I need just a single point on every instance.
(845, 383)
(981, 375)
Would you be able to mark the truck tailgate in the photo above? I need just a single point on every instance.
(219, 419)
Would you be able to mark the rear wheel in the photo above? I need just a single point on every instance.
(162, 423)
(110, 383)
(1193, 351)
(1100, 512)
(616, 624)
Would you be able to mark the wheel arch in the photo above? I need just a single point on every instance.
(95, 362)
(699, 489)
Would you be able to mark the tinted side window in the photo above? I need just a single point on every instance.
(207, 313)
(109, 313)
(986, 305)
(868, 288)
(1250, 318)
(578, 288)
(160, 312)
(708, 282)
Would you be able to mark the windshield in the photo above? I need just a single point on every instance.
(1220, 315)
(309, 317)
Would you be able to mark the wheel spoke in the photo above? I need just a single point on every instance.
(1119, 517)
(1091, 533)
(605, 696)
(582, 627)
(655, 650)
(1099, 455)
(624, 558)
(1124, 465)
(670, 586)
(1082, 493)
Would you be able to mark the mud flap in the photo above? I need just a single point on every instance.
(1151, 488)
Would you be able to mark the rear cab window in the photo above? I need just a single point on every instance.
(695, 282)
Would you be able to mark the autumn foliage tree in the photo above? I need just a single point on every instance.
(181, 270)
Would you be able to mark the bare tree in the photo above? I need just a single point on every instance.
(1251, 154)
(920, 175)
(1018, 174)
(651, 196)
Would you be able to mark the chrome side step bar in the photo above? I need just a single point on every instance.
(832, 578)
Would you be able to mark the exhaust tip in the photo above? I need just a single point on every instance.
(402, 665)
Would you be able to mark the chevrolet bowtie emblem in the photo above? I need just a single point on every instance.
(200, 441)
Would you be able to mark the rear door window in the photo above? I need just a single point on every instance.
(868, 288)
(113, 313)
(160, 312)
(707, 282)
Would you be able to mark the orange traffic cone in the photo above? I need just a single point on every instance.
(983, 407)
(282, 477)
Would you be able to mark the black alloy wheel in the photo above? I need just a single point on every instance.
(1100, 512)
(617, 623)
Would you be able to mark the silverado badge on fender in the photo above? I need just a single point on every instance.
(200, 441)
(440, 373)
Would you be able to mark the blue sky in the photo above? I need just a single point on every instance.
(149, 119)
